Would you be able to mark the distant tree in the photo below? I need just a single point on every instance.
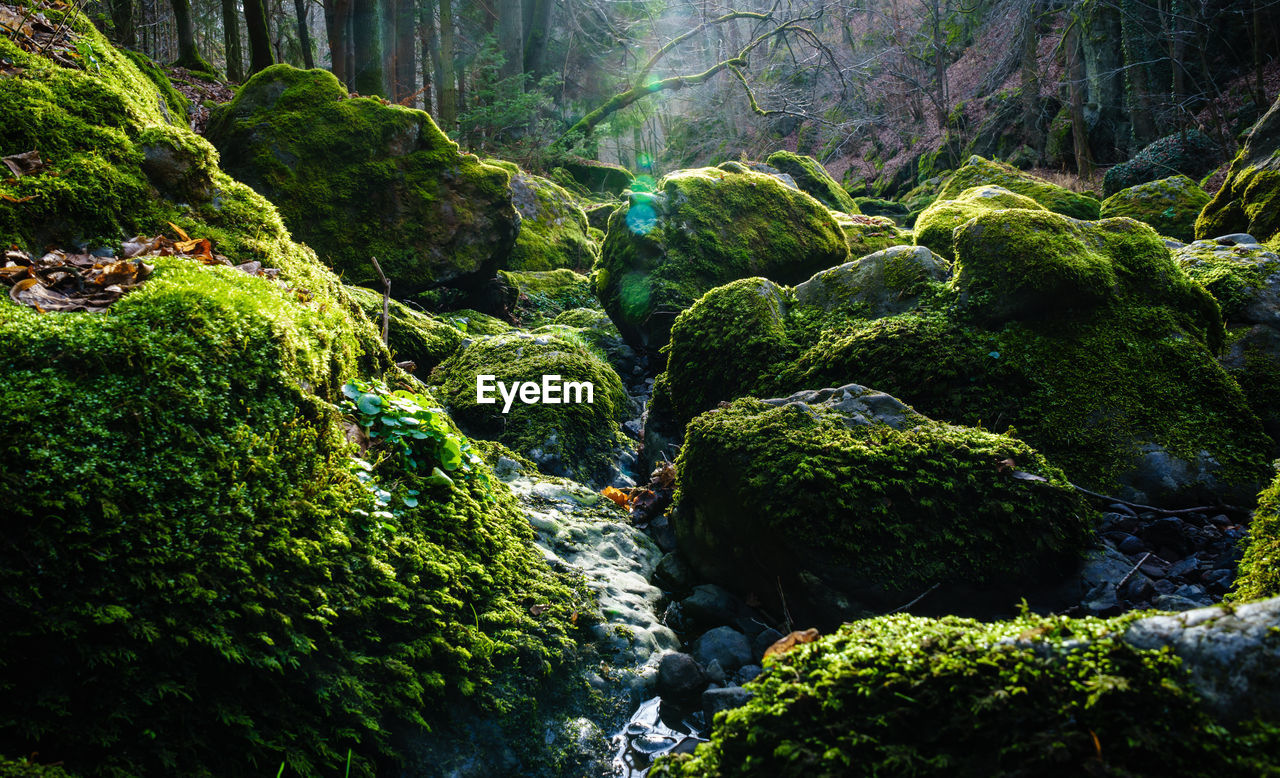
(303, 10)
(231, 38)
(188, 55)
(255, 18)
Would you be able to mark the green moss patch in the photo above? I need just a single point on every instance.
(1169, 205)
(935, 225)
(868, 234)
(1249, 200)
(544, 295)
(812, 177)
(983, 172)
(355, 178)
(1190, 153)
(553, 227)
(412, 335)
(1260, 569)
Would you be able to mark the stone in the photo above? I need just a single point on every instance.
(680, 679)
(725, 646)
(716, 700)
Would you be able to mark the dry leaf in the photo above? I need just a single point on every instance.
(538, 610)
(619, 497)
(24, 164)
(12, 199)
(181, 233)
(789, 642)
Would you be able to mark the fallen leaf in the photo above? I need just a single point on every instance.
(1005, 465)
(12, 199)
(538, 610)
(181, 233)
(24, 164)
(619, 497)
(789, 642)
(664, 476)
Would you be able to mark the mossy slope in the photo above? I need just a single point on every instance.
(1169, 205)
(936, 223)
(412, 335)
(984, 172)
(700, 229)
(1249, 200)
(355, 178)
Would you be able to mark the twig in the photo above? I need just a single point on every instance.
(1127, 575)
(386, 298)
(1161, 511)
(786, 613)
(926, 593)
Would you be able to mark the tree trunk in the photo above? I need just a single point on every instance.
(510, 37)
(188, 56)
(446, 81)
(403, 61)
(1260, 87)
(430, 50)
(1076, 85)
(231, 37)
(366, 40)
(304, 32)
(126, 33)
(337, 17)
(537, 25)
(1030, 75)
(255, 18)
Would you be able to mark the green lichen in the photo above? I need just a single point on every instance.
(575, 438)
(812, 177)
(1046, 696)
(412, 335)
(355, 178)
(934, 226)
(983, 172)
(1169, 205)
(770, 491)
(700, 229)
(1259, 574)
(553, 227)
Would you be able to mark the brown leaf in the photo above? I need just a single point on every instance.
(619, 497)
(24, 164)
(538, 610)
(664, 475)
(1005, 465)
(181, 233)
(12, 199)
(789, 642)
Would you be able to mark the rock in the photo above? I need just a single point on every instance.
(680, 680)
(1166, 533)
(1191, 153)
(1169, 205)
(866, 235)
(811, 177)
(1138, 589)
(982, 172)
(1245, 279)
(419, 337)
(673, 573)
(596, 176)
(765, 639)
(716, 700)
(847, 532)
(553, 226)
(880, 284)
(1131, 545)
(1174, 602)
(538, 297)
(1259, 573)
(598, 214)
(713, 606)
(1102, 601)
(715, 673)
(725, 646)
(665, 248)
(663, 533)
(1246, 202)
(935, 225)
(359, 178)
(750, 672)
(1218, 581)
(179, 164)
(574, 438)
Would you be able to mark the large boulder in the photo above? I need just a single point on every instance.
(355, 178)
(1192, 694)
(553, 225)
(851, 501)
(1170, 205)
(412, 335)
(810, 176)
(935, 225)
(574, 436)
(700, 229)
(1085, 337)
(1247, 201)
(200, 574)
(542, 295)
(978, 171)
(1190, 153)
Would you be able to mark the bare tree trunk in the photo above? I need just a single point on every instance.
(126, 32)
(366, 40)
(188, 56)
(405, 56)
(430, 51)
(304, 32)
(337, 16)
(1030, 74)
(446, 80)
(1076, 78)
(255, 17)
(537, 26)
(231, 37)
(1260, 86)
(510, 37)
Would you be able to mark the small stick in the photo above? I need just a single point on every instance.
(1161, 511)
(386, 297)
(926, 593)
(1127, 575)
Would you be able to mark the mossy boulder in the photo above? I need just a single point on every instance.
(1170, 205)
(355, 178)
(596, 176)
(576, 439)
(197, 582)
(1033, 695)
(594, 327)
(935, 225)
(880, 284)
(1260, 568)
(984, 172)
(1249, 200)
(1190, 153)
(412, 335)
(812, 177)
(1084, 337)
(702, 228)
(855, 502)
(542, 295)
(553, 227)
(868, 234)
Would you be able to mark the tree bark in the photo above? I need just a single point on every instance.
(1030, 75)
(304, 32)
(188, 56)
(537, 25)
(366, 41)
(1076, 85)
(231, 37)
(446, 81)
(405, 54)
(126, 33)
(337, 15)
(510, 37)
(255, 18)
(430, 50)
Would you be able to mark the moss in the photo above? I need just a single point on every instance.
(875, 511)
(1190, 153)
(1235, 275)
(596, 176)
(1252, 359)
(179, 107)
(1259, 574)
(703, 228)
(553, 227)
(213, 595)
(418, 337)
(544, 295)
(868, 234)
(1248, 200)
(574, 439)
(1169, 205)
(25, 768)
(812, 177)
(934, 226)
(874, 206)
(903, 695)
(476, 323)
(355, 178)
(982, 172)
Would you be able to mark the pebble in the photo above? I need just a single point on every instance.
(717, 700)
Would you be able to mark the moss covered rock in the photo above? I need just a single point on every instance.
(856, 500)
(553, 227)
(1259, 574)
(812, 177)
(1190, 153)
(596, 176)
(1085, 337)
(1169, 205)
(355, 178)
(575, 439)
(197, 582)
(700, 229)
(542, 295)
(984, 172)
(868, 234)
(1035, 695)
(1249, 200)
(934, 226)
(412, 335)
